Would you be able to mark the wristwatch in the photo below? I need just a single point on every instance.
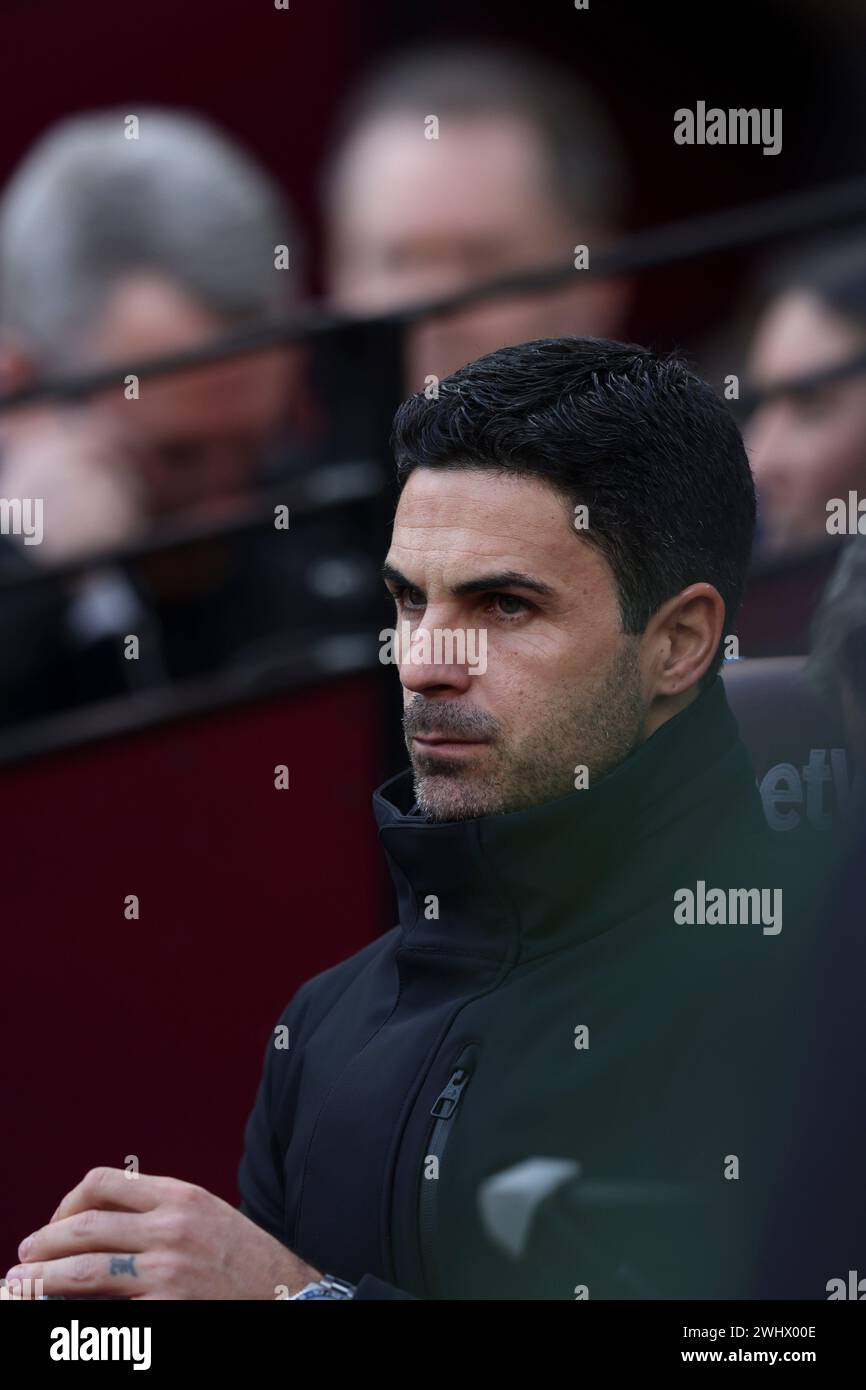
(329, 1286)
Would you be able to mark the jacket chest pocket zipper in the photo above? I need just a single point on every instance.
(443, 1111)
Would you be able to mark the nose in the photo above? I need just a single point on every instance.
(435, 659)
(768, 439)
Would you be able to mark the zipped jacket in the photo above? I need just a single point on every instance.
(566, 1072)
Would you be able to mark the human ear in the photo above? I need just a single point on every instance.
(681, 640)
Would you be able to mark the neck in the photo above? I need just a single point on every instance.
(665, 707)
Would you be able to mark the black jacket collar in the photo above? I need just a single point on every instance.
(528, 882)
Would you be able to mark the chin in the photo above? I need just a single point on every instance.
(454, 797)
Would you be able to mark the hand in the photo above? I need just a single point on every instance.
(90, 492)
(122, 1236)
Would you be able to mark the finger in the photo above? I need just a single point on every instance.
(85, 1276)
(89, 1230)
(115, 1189)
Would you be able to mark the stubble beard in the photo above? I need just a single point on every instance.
(597, 730)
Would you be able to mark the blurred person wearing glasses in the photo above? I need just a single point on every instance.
(806, 436)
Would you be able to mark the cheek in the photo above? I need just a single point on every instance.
(547, 664)
(843, 459)
(826, 463)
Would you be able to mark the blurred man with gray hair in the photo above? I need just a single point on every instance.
(123, 238)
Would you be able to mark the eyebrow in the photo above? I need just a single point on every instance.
(501, 579)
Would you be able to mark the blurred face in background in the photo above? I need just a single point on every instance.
(194, 439)
(414, 218)
(809, 447)
(192, 442)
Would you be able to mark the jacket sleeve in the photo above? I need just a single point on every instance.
(260, 1175)
(370, 1287)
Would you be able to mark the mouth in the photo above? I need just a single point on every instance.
(443, 744)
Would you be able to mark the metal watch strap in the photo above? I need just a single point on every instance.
(329, 1286)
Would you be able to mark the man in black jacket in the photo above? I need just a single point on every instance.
(562, 1075)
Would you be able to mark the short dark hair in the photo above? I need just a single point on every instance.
(467, 80)
(638, 438)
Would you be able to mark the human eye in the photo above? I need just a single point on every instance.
(509, 608)
(407, 597)
(814, 404)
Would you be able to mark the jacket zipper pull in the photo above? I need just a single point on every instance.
(446, 1102)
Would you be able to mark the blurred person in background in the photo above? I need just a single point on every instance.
(809, 445)
(837, 661)
(456, 164)
(812, 1255)
(112, 251)
(806, 443)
